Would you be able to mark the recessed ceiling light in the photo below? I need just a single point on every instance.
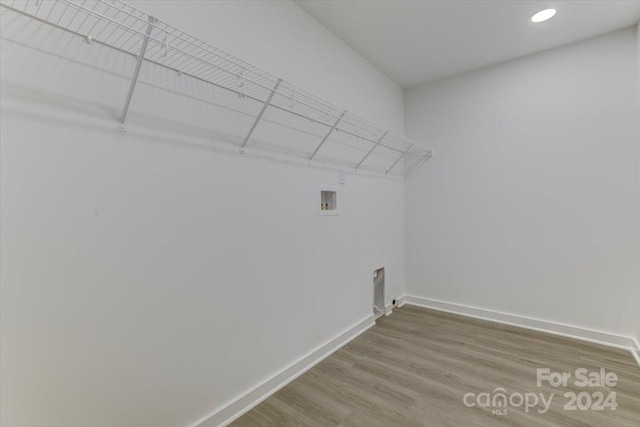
(543, 15)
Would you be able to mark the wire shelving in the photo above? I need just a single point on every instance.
(119, 26)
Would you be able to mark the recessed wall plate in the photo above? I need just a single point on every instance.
(328, 203)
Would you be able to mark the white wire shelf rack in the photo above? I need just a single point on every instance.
(117, 25)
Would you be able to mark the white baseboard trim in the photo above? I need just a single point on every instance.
(584, 334)
(402, 301)
(636, 350)
(388, 309)
(239, 406)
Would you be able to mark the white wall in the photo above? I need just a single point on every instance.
(638, 178)
(530, 205)
(151, 277)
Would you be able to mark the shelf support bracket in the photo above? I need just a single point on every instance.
(395, 163)
(259, 116)
(372, 148)
(327, 135)
(134, 79)
(426, 157)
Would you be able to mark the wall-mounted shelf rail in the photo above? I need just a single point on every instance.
(117, 25)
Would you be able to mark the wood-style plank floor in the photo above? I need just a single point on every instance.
(414, 368)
